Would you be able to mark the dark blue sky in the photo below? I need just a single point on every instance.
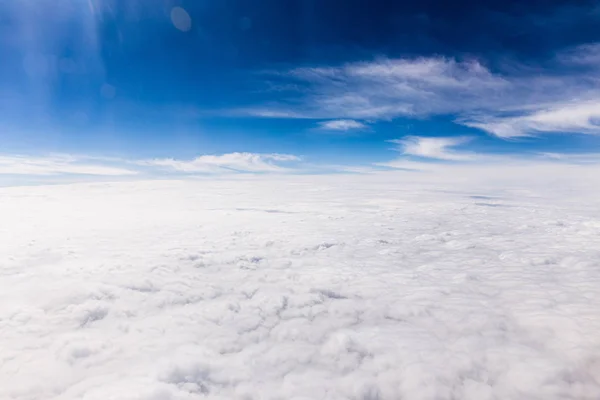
(332, 81)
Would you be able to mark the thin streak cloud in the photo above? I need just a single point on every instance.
(226, 163)
(342, 125)
(519, 102)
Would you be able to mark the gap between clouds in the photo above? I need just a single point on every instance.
(564, 97)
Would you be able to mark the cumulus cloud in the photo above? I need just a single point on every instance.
(342, 125)
(27, 165)
(231, 162)
(518, 101)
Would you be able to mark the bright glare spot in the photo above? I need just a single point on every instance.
(108, 91)
(181, 19)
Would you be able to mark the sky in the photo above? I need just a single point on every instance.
(118, 88)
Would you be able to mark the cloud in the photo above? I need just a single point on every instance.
(387, 88)
(572, 158)
(439, 148)
(231, 162)
(26, 165)
(475, 285)
(342, 125)
(581, 117)
(428, 149)
(267, 112)
(509, 102)
(104, 166)
(583, 55)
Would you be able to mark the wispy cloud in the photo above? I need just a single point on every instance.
(386, 88)
(417, 154)
(341, 125)
(583, 55)
(101, 166)
(572, 158)
(439, 148)
(54, 165)
(578, 116)
(521, 101)
(225, 163)
(272, 111)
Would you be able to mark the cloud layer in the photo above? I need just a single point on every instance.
(332, 287)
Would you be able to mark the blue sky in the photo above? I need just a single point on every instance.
(268, 86)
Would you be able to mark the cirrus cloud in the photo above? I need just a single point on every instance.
(577, 116)
(521, 101)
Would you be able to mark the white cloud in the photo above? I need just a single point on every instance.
(440, 148)
(27, 165)
(429, 149)
(573, 158)
(389, 88)
(581, 117)
(342, 125)
(232, 162)
(583, 55)
(517, 102)
(459, 284)
(267, 112)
